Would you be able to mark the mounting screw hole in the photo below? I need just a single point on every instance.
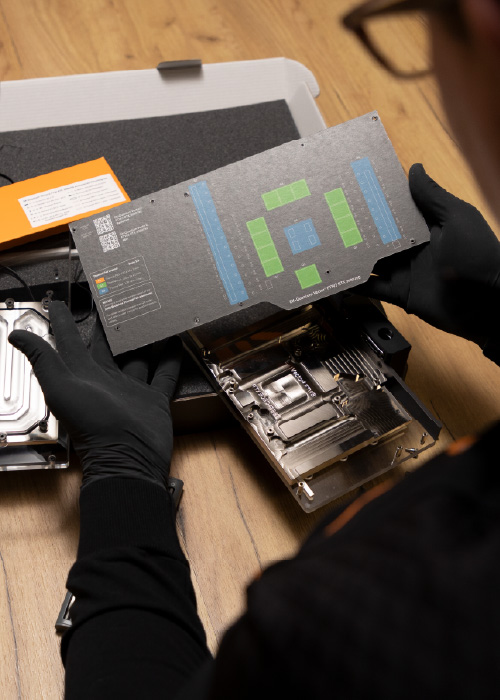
(386, 333)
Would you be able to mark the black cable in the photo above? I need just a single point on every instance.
(6, 177)
(78, 272)
(13, 273)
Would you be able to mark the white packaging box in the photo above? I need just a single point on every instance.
(104, 97)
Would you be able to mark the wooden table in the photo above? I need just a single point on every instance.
(235, 515)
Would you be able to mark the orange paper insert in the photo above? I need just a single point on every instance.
(43, 205)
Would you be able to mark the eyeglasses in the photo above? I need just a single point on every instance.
(396, 33)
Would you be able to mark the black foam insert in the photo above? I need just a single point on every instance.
(150, 154)
(146, 155)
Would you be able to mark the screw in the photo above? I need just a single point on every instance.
(43, 426)
(304, 488)
(412, 451)
(250, 416)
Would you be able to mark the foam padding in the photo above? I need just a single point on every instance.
(146, 155)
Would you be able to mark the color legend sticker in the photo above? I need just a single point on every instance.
(124, 275)
(102, 286)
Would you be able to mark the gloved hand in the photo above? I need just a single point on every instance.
(452, 282)
(119, 424)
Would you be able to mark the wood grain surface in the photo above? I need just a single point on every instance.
(235, 516)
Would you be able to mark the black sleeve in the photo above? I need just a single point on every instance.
(401, 601)
(491, 350)
(136, 631)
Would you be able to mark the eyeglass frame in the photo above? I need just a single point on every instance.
(353, 21)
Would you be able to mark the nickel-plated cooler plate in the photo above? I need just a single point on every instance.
(25, 420)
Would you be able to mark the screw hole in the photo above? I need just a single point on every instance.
(412, 241)
(386, 333)
(374, 119)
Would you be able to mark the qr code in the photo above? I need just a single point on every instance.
(109, 241)
(104, 224)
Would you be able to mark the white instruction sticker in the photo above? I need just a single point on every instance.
(70, 201)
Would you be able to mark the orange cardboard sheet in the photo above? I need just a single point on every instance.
(44, 205)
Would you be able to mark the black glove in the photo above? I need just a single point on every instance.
(119, 424)
(452, 282)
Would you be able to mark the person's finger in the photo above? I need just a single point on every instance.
(434, 202)
(48, 366)
(70, 345)
(378, 288)
(135, 364)
(99, 348)
(167, 371)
